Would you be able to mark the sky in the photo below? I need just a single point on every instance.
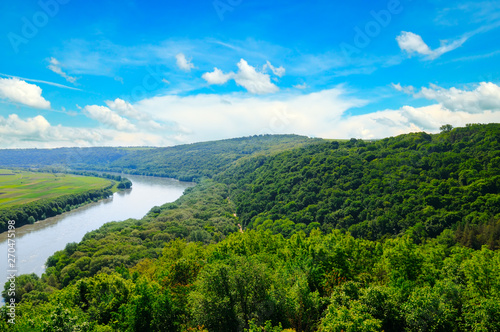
(164, 72)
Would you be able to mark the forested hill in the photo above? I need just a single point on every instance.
(195, 161)
(267, 244)
(63, 157)
(416, 181)
(189, 162)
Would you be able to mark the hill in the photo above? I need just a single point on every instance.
(423, 182)
(189, 162)
(400, 234)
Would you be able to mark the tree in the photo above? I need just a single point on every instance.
(446, 128)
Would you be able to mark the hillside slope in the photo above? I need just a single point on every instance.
(425, 182)
(429, 201)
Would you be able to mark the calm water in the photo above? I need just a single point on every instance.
(35, 243)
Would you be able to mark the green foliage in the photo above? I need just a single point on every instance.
(352, 318)
(190, 162)
(394, 235)
(446, 128)
(376, 189)
(232, 293)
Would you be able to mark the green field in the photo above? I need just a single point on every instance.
(20, 187)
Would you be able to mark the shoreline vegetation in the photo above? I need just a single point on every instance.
(29, 196)
(398, 234)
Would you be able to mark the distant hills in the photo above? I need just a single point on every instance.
(189, 162)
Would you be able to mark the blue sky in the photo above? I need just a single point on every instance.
(159, 73)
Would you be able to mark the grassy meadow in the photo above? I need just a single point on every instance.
(19, 187)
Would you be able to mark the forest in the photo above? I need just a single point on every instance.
(189, 162)
(291, 234)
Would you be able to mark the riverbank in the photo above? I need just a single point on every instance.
(36, 242)
(27, 197)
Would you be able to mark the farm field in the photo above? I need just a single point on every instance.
(19, 187)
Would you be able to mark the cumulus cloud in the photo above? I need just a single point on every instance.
(253, 81)
(55, 66)
(248, 77)
(183, 63)
(276, 71)
(412, 43)
(36, 126)
(108, 117)
(37, 131)
(321, 114)
(484, 97)
(410, 119)
(16, 132)
(127, 110)
(203, 117)
(209, 117)
(217, 77)
(18, 91)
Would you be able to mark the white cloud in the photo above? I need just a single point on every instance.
(173, 119)
(107, 117)
(409, 119)
(125, 109)
(414, 44)
(55, 66)
(485, 97)
(217, 77)
(183, 63)
(247, 76)
(253, 81)
(210, 117)
(18, 91)
(38, 132)
(36, 126)
(405, 89)
(276, 71)
(300, 86)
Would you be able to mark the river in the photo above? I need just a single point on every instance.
(35, 243)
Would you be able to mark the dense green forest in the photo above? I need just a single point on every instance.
(400, 234)
(416, 181)
(190, 162)
(67, 157)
